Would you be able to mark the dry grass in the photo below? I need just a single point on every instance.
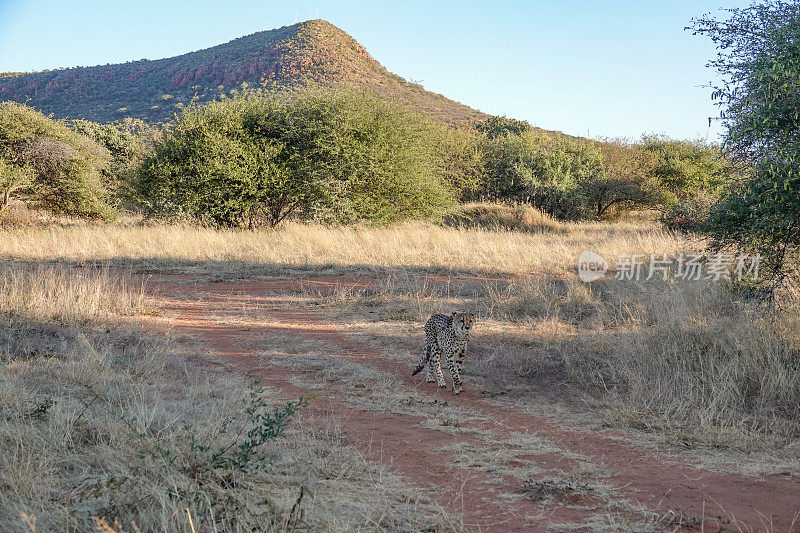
(98, 422)
(303, 247)
(503, 217)
(685, 360)
(691, 362)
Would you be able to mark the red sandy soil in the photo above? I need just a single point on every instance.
(684, 494)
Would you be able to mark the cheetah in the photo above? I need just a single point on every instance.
(446, 334)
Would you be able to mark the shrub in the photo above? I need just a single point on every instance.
(558, 202)
(212, 169)
(369, 160)
(760, 94)
(460, 161)
(12, 180)
(332, 156)
(686, 169)
(518, 165)
(544, 171)
(129, 141)
(496, 126)
(625, 181)
(65, 169)
(568, 178)
(511, 162)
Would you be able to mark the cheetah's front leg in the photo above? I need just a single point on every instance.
(459, 362)
(455, 370)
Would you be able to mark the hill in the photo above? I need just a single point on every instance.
(308, 53)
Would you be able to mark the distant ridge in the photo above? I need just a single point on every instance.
(304, 54)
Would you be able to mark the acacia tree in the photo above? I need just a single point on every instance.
(211, 168)
(625, 181)
(759, 61)
(13, 179)
(337, 157)
(55, 168)
(686, 169)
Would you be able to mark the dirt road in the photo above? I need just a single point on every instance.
(498, 466)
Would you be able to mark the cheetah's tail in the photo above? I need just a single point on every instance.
(422, 362)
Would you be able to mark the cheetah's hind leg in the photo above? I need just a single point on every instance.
(436, 368)
(425, 357)
(429, 375)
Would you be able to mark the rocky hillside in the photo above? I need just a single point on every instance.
(308, 53)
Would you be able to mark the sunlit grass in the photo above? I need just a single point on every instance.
(302, 245)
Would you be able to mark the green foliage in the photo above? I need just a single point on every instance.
(626, 180)
(459, 160)
(212, 168)
(58, 169)
(510, 161)
(130, 141)
(370, 160)
(261, 425)
(338, 157)
(564, 163)
(498, 126)
(531, 165)
(686, 169)
(12, 179)
(218, 462)
(759, 61)
(566, 177)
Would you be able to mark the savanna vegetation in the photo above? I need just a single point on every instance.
(758, 62)
(52, 166)
(343, 157)
(490, 216)
(161, 445)
(329, 157)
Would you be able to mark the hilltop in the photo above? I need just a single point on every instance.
(304, 54)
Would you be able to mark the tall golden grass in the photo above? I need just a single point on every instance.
(163, 247)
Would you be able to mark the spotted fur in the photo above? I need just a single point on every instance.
(448, 335)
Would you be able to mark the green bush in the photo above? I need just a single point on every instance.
(686, 169)
(533, 166)
(460, 161)
(57, 169)
(212, 169)
(130, 141)
(520, 167)
(337, 157)
(496, 126)
(566, 177)
(625, 181)
(759, 65)
(12, 179)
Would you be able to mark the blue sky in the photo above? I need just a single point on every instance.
(586, 67)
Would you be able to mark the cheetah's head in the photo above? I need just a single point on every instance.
(462, 323)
